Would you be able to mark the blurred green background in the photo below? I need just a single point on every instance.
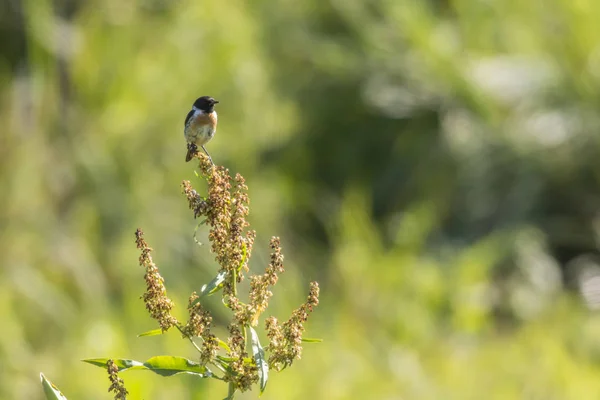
(435, 165)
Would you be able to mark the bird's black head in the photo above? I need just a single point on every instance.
(206, 104)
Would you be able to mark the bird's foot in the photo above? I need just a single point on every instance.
(209, 157)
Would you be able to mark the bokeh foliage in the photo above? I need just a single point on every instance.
(434, 164)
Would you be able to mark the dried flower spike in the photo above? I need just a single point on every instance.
(226, 209)
(286, 340)
(157, 303)
(117, 385)
(195, 201)
(259, 285)
(199, 324)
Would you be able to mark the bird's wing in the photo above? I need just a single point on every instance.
(188, 118)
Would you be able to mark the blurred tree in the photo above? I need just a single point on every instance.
(402, 101)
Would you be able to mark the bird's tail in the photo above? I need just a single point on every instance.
(191, 151)
(189, 155)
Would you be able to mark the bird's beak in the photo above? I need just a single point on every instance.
(216, 101)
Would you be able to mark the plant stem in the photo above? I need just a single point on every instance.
(234, 282)
(189, 338)
(230, 392)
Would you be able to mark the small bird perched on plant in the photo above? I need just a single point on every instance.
(200, 125)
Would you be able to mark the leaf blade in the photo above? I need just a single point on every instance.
(161, 365)
(212, 287)
(171, 365)
(122, 364)
(312, 340)
(224, 346)
(51, 391)
(153, 332)
(259, 359)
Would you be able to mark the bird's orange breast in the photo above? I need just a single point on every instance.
(204, 120)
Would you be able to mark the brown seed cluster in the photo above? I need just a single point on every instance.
(241, 244)
(286, 340)
(210, 347)
(117, 385)
(157, 303)
(226, 209)
(199, 325)
(259, 285)
(195, 201)
(219, 214)
(200, 319)
(245, 372)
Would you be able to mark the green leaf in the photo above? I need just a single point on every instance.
(312, 340)
(259, 359)
(121, 364)
(224, 364)
(161, 365)
(212, 286)
(153, 332)
(50, 389)
(224, 346)
(170, 365)
(247, 360)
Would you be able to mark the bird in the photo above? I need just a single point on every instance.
(200, 125)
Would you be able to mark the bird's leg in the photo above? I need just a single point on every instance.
(209, 157)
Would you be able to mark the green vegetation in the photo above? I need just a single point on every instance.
(434, 165)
